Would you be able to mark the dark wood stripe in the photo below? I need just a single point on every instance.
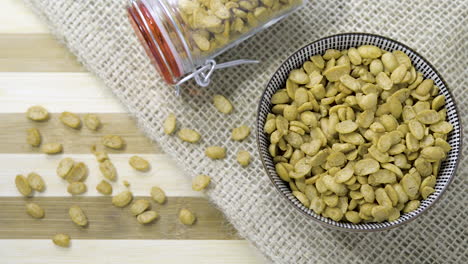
(35, 53)
(13, 134)
(109, 222)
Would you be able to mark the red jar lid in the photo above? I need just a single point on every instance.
(155, 42)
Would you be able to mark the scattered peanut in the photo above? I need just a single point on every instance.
(215, 152)
(188, 135)
(243, 158)
(76, 188)
(37, 113)
(104, 187)
(51, 148)
(186, 217)
(200, 182)
(122, 199)
(23, 186)
(36, 182)
(71, 120)
(108, 170)
(113, 141)
(158, 194)
(34, 210)
(139, 206)
(240, 133)
(147, 217)
(222, 104)
(33, 137)
(78, 173)
(170, 124)
(64, 167)
(78, 216)
(138, 163)
(92, 121)
(61, 240)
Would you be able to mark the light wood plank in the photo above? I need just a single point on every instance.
(35, 53)
(130, 251)
(76, 92)
(164, 173)
(109, 222)
(13, 127)
(17, 18)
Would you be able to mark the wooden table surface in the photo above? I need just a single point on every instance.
(36, 69)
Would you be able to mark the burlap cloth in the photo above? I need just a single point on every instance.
(99, 33)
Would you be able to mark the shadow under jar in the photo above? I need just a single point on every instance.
(181, 35)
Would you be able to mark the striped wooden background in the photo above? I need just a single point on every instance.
(35, 69)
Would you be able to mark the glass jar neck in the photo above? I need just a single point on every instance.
(158, 29)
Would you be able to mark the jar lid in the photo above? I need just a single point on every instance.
(155, 41)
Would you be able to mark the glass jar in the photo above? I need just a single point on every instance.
(181, 36)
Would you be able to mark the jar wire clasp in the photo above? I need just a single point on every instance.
(203, 73)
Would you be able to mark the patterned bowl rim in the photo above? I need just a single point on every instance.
(333, 224)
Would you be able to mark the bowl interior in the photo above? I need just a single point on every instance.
(340, 42)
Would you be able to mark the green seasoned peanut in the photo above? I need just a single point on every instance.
(92, 121)
(353, 217)
(334, 213)
(334, 73)
(139, 206)
(78, 216)
(64, 167)
(354, 56)
(34, 210)
(200, 182)
(215, 152)
(344, 175)
(108, 170)
(222, 104)
(113, 141)
(122, 199)
(389, 61)
(383, 81)
(270, 126)
(428, 117)
(240, 133)
(302, 198)
(51, 148)
(318, 61)
(423, 166)
(350, 82)
(381, 213)
(61, 240)
(368, 193)
(416, 128)
(299, 76)
(398, 74)
(369, 51)
(392, 194)
(402, 196)
(37, 113)
(104, 187)
(139, 163)
(393, 168)
(426, 191)
(438, 102)
(442, 127)
(33, 137)
(189, 135)
(186, 217)
(70, 119)
(425, 87)
(336, 159)
(170, 124)
(366, 167)
(345, 127)
(76, 188)
(290, 112)
(158, 195)
(383, 176)
(282, 125)
(337, 188)
(433, 154)
(147, 217)
(243, 158)
(439, 142)
(23, 186)
(410, 185)
(282, 172)
(36, 182)
(411, 206)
